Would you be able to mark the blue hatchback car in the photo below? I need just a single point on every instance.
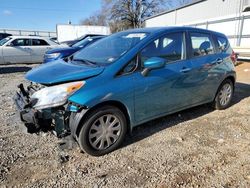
(127, 79)
(60, 53)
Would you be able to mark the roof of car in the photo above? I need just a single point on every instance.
(162, 29)
(28, 37)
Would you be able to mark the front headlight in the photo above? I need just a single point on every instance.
(55, 95)
(52, 56)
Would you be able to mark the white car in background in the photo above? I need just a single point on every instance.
(25, 49)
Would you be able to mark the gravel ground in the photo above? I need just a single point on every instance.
(198, 147)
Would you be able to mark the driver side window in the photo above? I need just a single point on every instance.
(21, 42)
(169, 47)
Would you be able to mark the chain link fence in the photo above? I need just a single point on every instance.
(29, 32)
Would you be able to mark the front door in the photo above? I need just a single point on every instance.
(17, 51)
(166, 89)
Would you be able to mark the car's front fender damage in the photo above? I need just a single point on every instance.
(62, 120)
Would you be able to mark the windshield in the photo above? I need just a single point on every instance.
(83, 42)
(111, 48)
(3, 41)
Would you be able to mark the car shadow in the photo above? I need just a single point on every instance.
(242, 91)
(145, 130)
(14, 69)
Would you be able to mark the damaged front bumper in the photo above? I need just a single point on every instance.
(55, 119)
(24, 105)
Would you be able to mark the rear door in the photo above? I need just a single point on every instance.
(17, 51)
(205, 66)
(38, 48)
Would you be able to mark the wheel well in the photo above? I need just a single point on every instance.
(231, 78)
(116, 104)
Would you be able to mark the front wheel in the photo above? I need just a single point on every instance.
(224, 95)
(103, 131)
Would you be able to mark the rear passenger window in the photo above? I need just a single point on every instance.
(201, 44)
(223, 44)
(39, 42)
(169, 47)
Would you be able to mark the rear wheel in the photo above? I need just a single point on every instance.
(103, 131)
(224, 95)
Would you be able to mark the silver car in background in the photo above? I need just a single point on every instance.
(25, 49)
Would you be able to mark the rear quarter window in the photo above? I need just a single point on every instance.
(223, 44)
(39, 42)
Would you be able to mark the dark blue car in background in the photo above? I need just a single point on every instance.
(59, 53)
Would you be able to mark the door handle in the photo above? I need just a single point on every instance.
(219, 61)
(184, 70)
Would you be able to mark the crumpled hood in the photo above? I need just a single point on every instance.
(60, 71)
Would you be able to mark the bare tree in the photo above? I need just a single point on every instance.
(98, 19)
(134, 11)
(124, 14)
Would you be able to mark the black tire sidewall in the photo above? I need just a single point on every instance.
(84, 133)
(217, 99)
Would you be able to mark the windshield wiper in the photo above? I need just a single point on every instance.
(85, 61)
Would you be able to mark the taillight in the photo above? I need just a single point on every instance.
(233, 57)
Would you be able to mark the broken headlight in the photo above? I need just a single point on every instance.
(54, 96)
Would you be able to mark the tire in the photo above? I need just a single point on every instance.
(103, 131)
(224, 95)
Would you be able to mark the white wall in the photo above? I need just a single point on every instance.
(204, 14)
(163, 20)
(205, 10)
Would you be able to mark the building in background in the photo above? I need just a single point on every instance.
(66, 32)
(231, 17)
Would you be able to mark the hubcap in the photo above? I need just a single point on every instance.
(225, 94)
(104, 132)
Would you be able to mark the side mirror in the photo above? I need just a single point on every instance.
(153, 63)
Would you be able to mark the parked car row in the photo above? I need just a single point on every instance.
(72, 42)
(125, 79)
(24, 49)
(32, 49)
(59, 53)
